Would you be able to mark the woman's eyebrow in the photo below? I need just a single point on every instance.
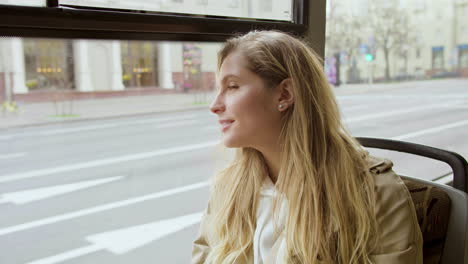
(228, 76)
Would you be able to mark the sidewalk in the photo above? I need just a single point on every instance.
(77, 110)
(69, 111)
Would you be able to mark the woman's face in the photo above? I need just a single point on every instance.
(247, 110)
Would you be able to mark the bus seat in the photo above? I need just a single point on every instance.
(442, 210)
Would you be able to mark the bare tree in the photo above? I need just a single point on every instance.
(344, 31)
(405, 40)
(391, 29)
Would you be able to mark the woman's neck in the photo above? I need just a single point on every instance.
(272, 159)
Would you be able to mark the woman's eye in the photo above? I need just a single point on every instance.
(232, 87)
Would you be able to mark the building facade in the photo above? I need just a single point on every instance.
(436, 43)
(32, 69)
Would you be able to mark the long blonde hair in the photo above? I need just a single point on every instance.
(323, 175)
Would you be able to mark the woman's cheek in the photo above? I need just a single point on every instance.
(235, 102)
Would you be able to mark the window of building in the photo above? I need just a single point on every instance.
(49, 64)
(192, 75)
(463, 56)
(418, 53)
(438, 57)
(139, 64)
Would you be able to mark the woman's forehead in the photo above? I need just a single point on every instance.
(234, 65)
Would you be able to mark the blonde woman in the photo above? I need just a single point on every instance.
(300, 189)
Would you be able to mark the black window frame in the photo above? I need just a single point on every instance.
(62, 21)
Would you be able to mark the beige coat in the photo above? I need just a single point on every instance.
(401, 239)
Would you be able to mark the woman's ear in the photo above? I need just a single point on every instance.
(286, 94)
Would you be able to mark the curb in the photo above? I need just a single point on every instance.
(4, 129)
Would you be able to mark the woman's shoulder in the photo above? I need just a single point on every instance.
(399, 233)
(387, 183)
(392, 195)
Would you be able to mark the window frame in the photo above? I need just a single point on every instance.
(56, 21)
(62, 21)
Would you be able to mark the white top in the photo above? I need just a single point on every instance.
(265, 236)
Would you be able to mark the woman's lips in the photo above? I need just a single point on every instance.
(225, 124)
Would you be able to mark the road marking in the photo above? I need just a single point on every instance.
(28, 196)
(456, 106)
(445, 180)
(157, 120)
(76, 129)
(123, 240)
(102, 162)
(356, 107)
(176, 124)
(404, 96)
(67, 255)
(431, 130)
(12, 156)
(100, 208)
(389, 113)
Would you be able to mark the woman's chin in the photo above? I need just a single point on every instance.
(229, 142)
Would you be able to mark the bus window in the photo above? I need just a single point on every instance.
(398, 73)
(107, 143)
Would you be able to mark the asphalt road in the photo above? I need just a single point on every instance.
(131, 190)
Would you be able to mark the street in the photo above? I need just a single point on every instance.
(132, 189)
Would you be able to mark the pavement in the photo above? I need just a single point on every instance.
(43, 113)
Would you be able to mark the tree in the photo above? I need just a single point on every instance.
(405, 40)
(343, 32)
(391, 30)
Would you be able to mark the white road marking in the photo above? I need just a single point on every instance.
(27, 196)
(389, 113)
(456, 106)
(157, 120)
(12, 156)
(404, 96)
(176, 124)
(68, 255)
(445, 180)
(356, 107)
(431, 130)
(100, 208)
(102, 162)
(123, 240)
(76, 129)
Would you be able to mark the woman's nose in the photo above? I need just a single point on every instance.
(217, 106)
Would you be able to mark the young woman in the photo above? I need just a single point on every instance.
(301, 189)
